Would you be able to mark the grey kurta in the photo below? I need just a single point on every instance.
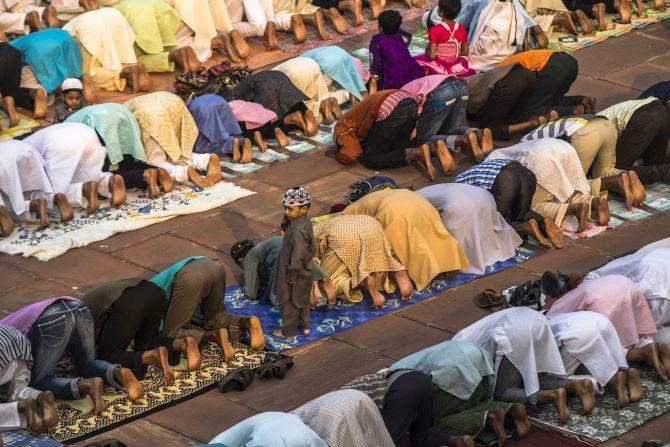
(296, 263)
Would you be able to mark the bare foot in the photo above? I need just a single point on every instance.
(555, 234)
(589, 103)
(473, 145)
(648, 354)
(421, 155)
(295, 119)
(51, 17)
(370, 286)
(39, 207)
(165, 180)
(320, 26)
(659, 5)
(581, 211)
(311, 127)
(93, 389)
(375, 9)
(14, 118)
(634, 385)
(495, 420)
(214, 169)
(517, 412)
(40, 99)
(256, 336)
(281, 137)
(47, 405)
(28, 407)
(160, 358)
(356, 9)
(132, 74)
(335, 106)
(372, 86)
(601, 210)
(189, 347)
(583, 389)
(6, 222)
(531, 228)
(247, 152)
(327, 111)
(90, 193)
(224, 44)
(460, 441)
(637, 188)
(64, 209)
(260, 142)
(271, 36)
(145, 79)
(196, 179)
(541, 37)
(118, 190)
(34, 20)
(640, 8)
(90, 94)
(236, 150)
(624, 11)
(618, 384)
(485, 141)
(150, 177)
(598, 12)
(564, 20)
(341, 25)
(220, 337)
(584, 22)
(444, 156)
(240, 44)
(623, 182)
(298, 28)
(558, 399)
(404, 285)
(130, 383)
(186, 59)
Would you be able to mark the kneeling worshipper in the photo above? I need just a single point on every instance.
(129, 311)
(258, 123)
(61, 324)
(25, 16)
(345, 418)
(562, 188)
(377, 132)
(292, 15)
(440, 396)
(106, 41)
(553, 14)
(596, 9)
(254, 18)
(356, 256)
(644, 129)
(590, 348)
(622, 302)
(25, 189)
(73, 160)
(594, 139)
(469, 214)
(119, 132)
(194, 291)
(13, 95)
(416, 233)
(26, 407)
(650, 271)
(155, 25)
(513, 186)
(528, 364)
(442, 103)
(259, 266)
(168, 136)
(220, 132)
(660, 91)
(274, 90)
(52, 56)
(269, 429)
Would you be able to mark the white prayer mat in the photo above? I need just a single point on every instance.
(139, 211)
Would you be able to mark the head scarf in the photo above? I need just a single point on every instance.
(217, 125)
(339, 66)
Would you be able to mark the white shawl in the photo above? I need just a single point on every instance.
(22, 172)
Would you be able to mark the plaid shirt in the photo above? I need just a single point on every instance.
(484, 174)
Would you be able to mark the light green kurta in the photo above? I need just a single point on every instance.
(620, 114)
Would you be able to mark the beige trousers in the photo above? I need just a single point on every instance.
(595, 144)
(546, 205)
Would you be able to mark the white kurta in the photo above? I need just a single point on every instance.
(650, 271)
(524, 337)
(22, 177)
(554, 162)
(590, 339)
(469, 214)
(72, 155)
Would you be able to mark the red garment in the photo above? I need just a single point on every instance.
(442, 33)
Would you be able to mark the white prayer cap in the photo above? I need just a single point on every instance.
(71, 84)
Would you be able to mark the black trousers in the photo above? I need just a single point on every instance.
(408, 407)
(326, 4)
(11, 63)
(646, 136)
(587, 6)
(387, 140)
(134, 317)
(131, 170)
(513, 192)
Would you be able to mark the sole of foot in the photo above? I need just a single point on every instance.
(240, 44)
(93, 388)
(165, 180)
(517, 413)
(311, 127)
(247, 152)
(281, 137)
(193, 356)
(601, 210)
(256, 336)
(214, 169)
(531, 228)
(118, 190)
(637, 188)
(196, 179)
(47, 404)
(150, 177)
(555, 234)
(270, 35)
(64, 209)
(6, 222)
(130, 383)
(298, 29)
(422, 157)
(40, 109)
(39, 207)
(634, 385)
(444, 156)
(90, 192)
(260, 142)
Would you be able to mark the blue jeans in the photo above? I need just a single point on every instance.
(66, 325)
(442, 112)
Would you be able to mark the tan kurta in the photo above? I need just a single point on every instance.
(415, 231)
(306, 75)
(294, 7)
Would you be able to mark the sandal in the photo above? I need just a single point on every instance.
(489, 298)
(276, 367)
(237, 381)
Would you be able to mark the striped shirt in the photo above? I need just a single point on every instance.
(13, 346)
(391, 102)
(561, 128)
(482, 175)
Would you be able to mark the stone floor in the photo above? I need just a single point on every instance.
(614, 70)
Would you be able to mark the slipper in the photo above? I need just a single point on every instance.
(110, 442)
(237, 381)
(489, 298)
(275, 368)
(283, 365)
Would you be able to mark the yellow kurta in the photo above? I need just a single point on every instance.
(415, 231)
(294, 7)
(164, 117)
(306, 75)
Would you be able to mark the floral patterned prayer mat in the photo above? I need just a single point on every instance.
(139, 211)
(23, 438)
(606, 422)
(77, 422)
(344, 315)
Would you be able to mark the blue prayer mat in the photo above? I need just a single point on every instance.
(344, 315)
(23, 438)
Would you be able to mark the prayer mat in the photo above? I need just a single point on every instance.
(139, 211)
(344, 315)
(544, 437)
(25, 126)
(606, 422)
(78, 423)
(23, 438)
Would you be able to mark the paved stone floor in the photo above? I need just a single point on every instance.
(615, 70)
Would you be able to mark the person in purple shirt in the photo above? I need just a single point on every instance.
(390, 59)
(63, 323)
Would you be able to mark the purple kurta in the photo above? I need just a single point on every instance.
(391, 61)
(23, 319)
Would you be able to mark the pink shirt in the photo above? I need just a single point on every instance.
(251, 114)
(23, 319)
(420, 88)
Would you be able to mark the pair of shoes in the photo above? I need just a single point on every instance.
(489, 298)
(276, 366)
(236, 381)
(526, 295)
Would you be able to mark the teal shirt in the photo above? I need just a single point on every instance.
(165, 279)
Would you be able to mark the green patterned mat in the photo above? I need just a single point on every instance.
(607, 422)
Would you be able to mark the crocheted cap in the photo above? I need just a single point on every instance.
(296, 196)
